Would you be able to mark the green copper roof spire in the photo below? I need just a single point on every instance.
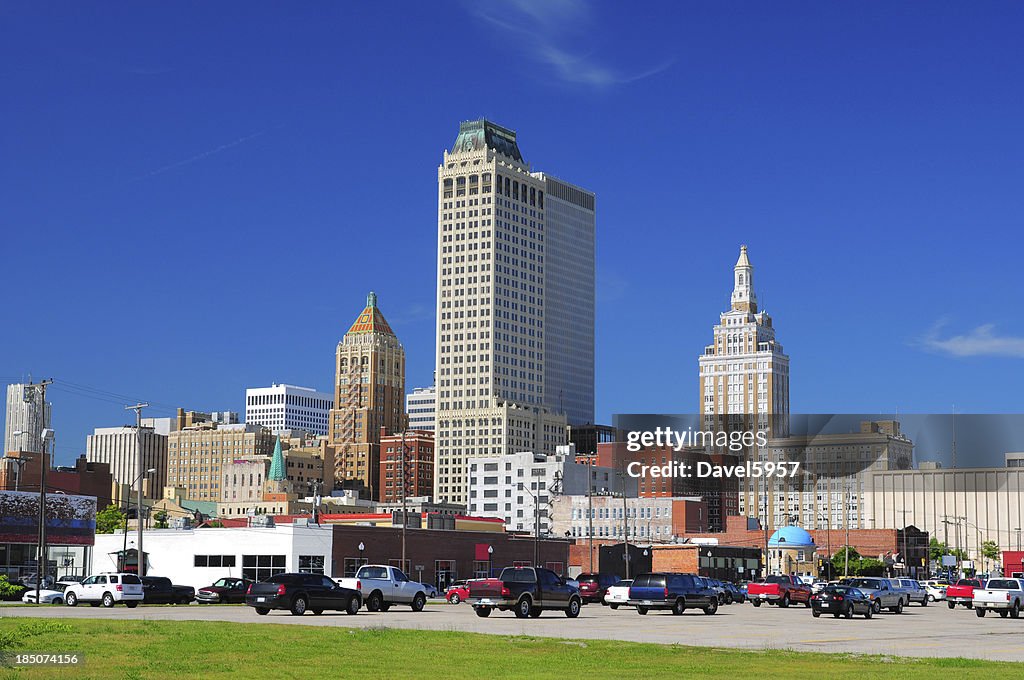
(277, 473)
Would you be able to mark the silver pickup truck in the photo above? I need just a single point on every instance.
(884, 593)
(1003, 595)
(382, 586)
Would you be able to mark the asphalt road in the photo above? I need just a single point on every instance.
(933, 631)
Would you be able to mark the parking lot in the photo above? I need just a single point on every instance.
(929, 631)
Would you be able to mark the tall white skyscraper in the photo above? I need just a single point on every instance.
(288, 407)
(27, 414)
(495, 242)
(421, 408)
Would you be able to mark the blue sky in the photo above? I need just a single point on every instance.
(196, 197)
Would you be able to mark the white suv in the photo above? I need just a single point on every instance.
(107, 589)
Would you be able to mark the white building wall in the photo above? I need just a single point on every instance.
(421, 408)
(171, 553)
(288, 407)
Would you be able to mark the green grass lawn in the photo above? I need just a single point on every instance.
(206, 649)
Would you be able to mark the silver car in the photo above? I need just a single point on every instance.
(915, 592)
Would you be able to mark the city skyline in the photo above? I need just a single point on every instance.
(859, 221)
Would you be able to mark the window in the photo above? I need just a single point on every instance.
(312, 564)
(480, 569)
(214, 561)
(352, 564)
(261, 567)
(397, 564)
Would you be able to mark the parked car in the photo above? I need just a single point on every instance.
(779, 589)
(962, 592)
(302, 592)
(818, 586)
(915, 592)
(594, 586)
(936, 590)
(527, 591)
(842, 601)
(227, 590)
(1004, 595)
(719, 589)
(733, 593)
(160, 590)
(883, 592)
(52, 595)
(383, 585)
(676, 592)
(457, 592)
(107, 589)
(618, 594)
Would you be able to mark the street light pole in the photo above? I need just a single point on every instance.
(141, 561)
(490, 553)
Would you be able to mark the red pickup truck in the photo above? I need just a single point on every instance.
(780, 590)
(963, 592)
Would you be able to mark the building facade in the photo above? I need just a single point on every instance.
(369, 389)
(197, 455)
(408, 475)
(493, 290)
(288, 407)
(421, 408)
(26, 414)
(520, 487)
(647, 520)
(118, 447)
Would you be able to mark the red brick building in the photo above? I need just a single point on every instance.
(419, 465)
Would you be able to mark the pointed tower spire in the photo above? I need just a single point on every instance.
(277, 470)
(743, 297)
(371, 300)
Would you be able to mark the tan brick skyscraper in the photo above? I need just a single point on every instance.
(369, 393)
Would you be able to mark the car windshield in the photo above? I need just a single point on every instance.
(222, 583)
(969, 582)
(587, 578)
(872, 583)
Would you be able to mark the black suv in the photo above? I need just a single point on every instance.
(300, 593)
(671, 591)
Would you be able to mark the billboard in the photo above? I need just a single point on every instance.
(70, 520)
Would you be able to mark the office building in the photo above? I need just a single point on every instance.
(648, 520)
(409, 475)
(118, 447)
(197, 454)
(369, 392)
(288, 407)
(421, 408)
(501, 261)
(27, 415)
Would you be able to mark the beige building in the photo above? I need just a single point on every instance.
(118, 447)
(963, 507)
(197, 455)
(492, 296)
(369, 393)
(305, 461)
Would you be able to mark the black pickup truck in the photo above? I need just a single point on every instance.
(527, 591)
(160, 590)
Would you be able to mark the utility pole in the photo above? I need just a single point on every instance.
(405, 515)
(625, 525)
(945, 538)
(41, 563)
(590, 513)
(140, 561)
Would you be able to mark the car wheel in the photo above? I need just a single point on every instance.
(807, 603)
(418, 602)
(869, 613)
(1002, 613)
(899, 607)
(454, 598)
(384, 606)
(930, 598)
(614, 606)
(642, 611)
(679, 607)
(262, 611)
(57, 600)
(877, 606)
(353, 605)
(711, 608)
(815, 613)
(756, 603)
(951, 605)
(299, 606)
(574, 608)
(728, 598)
(72, 600)
(1015, 610)
(374, 602)
(849, 611)
(483, 612)
(108, 600)
(131, 605)
(836, 615)
(318, 612)
(924, 602)
(785, 601)
(523, 608)
(980, 613)
(535, 612)
(970, 605)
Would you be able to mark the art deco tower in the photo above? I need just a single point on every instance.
(369, 393)
(512, 244)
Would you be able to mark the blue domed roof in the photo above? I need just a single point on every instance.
(790, 537)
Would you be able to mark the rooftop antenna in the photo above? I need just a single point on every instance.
(954, 436)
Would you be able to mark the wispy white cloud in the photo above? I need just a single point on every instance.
(546, 27)
(982, 341)
(200, 156)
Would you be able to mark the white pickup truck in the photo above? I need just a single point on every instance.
(383, 586)
(1003, 595)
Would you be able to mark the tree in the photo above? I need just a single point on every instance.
(936, 549)
(867, 566)
(839, 559)
(160, 519)
(990, 549)
(109, 520)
